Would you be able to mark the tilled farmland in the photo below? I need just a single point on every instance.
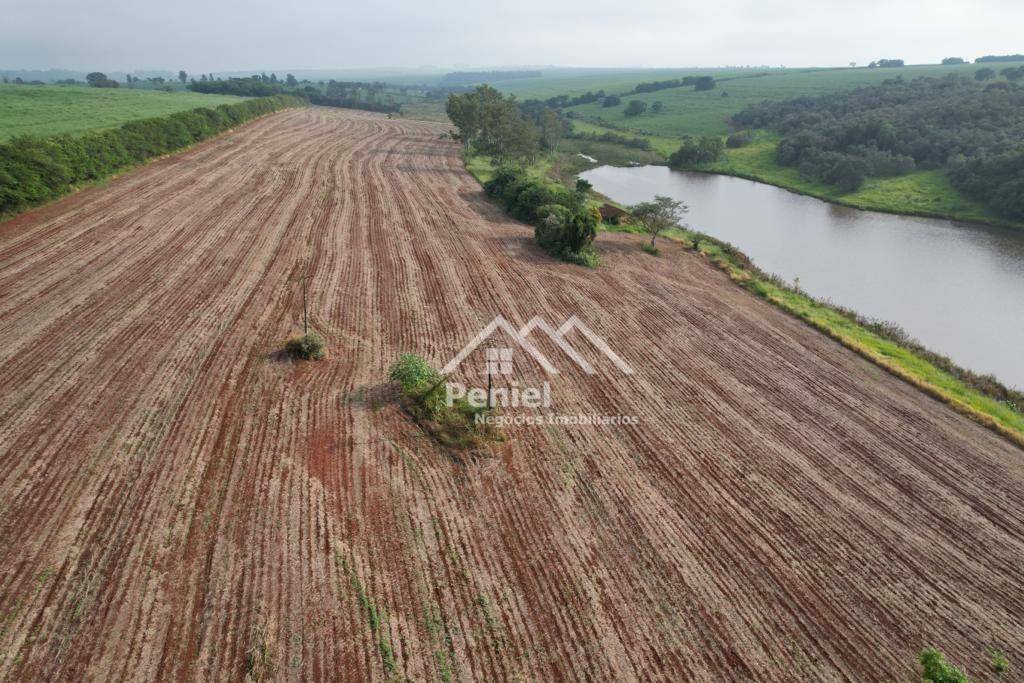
(181, 501)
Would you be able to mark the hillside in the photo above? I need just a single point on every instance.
(40, 110)
(688, 112)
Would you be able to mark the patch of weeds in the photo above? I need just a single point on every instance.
(651, 249)
(458, 425)
(307, 347)
(491, 622)
(435, 627)
(998, 661)
(935, 668)
(259, 658)
(375, 616)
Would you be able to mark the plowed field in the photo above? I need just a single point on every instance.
(180, 502)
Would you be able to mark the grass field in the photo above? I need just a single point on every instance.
(571, 82)
(578, 81)
(688, 112)
(925, 192)
(51, 110)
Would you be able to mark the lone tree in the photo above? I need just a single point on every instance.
(635, 108)
(704, 83)
(98, 79)
(182, 76)
(660, 215)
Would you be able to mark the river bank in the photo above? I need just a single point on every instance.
(924, 193)
(981, 397)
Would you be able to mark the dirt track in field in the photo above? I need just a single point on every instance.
(171, 489)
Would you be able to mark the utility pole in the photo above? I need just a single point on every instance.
(489, 406)
(305, 312)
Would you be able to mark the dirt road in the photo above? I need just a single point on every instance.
(177, 502)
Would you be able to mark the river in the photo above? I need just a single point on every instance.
(957, 288)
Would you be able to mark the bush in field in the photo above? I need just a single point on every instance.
(548, 232)
(567, 233)
(998, 662)
(420, 383)
(635, 108)
(424, 395)
(35, 170)
(935, 669)
(704, 83)
(307, 347)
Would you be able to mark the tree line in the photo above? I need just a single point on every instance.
(472, 77)
(971, 128)
(609, 100)
(512, 134)
(563, 225)
(999, 58)
(349, 95)
(698, 83)
(34, 170)
(503, 129)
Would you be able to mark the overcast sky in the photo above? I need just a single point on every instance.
(212, 35)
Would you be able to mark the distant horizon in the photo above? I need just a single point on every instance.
(443, 69)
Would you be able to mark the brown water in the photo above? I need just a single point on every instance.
(957, 288)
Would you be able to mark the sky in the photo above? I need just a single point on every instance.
(232, 35)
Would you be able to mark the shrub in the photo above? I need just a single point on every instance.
(586, 256)
(614, 138)
(651, 249)
(307, 347)
(565, 232)
(424, 396)
(420, 383)
(635, 108)
(739, 139)
(998, 661)
(704, 83)
(548, 231)
(259, 659)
